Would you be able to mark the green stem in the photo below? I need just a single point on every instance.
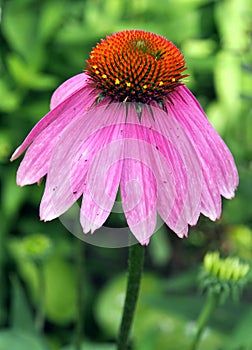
(40, 312)
(135, 266)
(80, 293)
(211, 303)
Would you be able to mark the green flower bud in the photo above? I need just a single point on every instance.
(223, 276)
(36, 247)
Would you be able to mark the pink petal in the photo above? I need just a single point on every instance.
(214, 154)
(99, 198)
(139, 198)
(166, 163)
(177, 148)
(218, 167)
(67, 88)
(36, 160)
(210, 198)
(160, 143)
(73, 105)
(78, 154)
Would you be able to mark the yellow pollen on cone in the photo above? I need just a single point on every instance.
(104, 76)
(97, 72)
(128, 84)
(161, 83)
(117, 81)
(173, 80)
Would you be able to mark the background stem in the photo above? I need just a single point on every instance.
(80, 294)
(40, 311)
(135, 266)
(211, 303)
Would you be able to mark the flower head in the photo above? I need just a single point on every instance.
(128, 123)
(136, 66)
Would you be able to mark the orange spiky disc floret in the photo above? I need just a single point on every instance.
(135, 66)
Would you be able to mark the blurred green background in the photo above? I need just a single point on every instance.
(42, 44)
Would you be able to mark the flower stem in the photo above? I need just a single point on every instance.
(40, 311)
(211, 303)
(135, 266)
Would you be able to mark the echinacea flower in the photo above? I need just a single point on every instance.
(128, 123)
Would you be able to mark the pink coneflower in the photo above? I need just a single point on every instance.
(129, 123)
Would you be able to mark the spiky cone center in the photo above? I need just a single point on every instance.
(135, 66)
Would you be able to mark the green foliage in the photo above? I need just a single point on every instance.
(91, 346)
(158, 321)
(42, 44)
(20, 340)
(241, 337)
(59, 275)
(21, 314)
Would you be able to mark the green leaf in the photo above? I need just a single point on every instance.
(240, 210)
(241, 337)
(227, 68)
(160, 248)
(10, 99)
(91, 346)
(53, 13)
(183, 281)
(231, 26)
(26, 77)
(60, 276)
(157, 320)
(19, 24)
(164, 329)
(12, 195)
(20, 340)
(112, 298)
(21, 315)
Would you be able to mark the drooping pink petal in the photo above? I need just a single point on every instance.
(218, 167)
(160, 143)
(78, 102)
(210, 198)
(78, 158)
(113, 134)
(99, 197)
(36, 160)
(67, 88)
(139, 197)
(214, 153)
